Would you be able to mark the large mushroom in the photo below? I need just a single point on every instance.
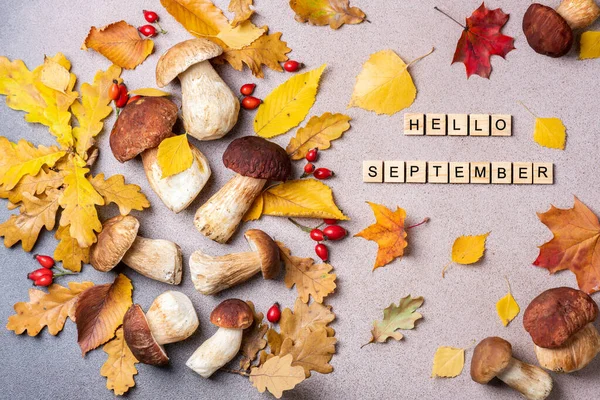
(232, 317)
(560, 322)
(492, 358)
(156, 259)
(255, 160)
(209, 107)
(214, 274)
(171, 318)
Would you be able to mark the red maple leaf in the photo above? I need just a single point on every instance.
(481, 39)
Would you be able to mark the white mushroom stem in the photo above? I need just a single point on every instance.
(156, 259)
(220, 216)
(216, 351)
(214, 274)
(532, 382)
(575, 354)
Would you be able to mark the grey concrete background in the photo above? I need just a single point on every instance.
(457, 311)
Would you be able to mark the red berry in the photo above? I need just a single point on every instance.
(312, 155)
(274, 313)
(134, 98)
(250, 102)
(247, 89)
(147, 30)
(123, 96)
(150, 16)
(323, 173)
(113, 90)
(317, 235)
(38, 273)
(322, 251)
(334, 232)
(292, 66)
(330, 221)
(309, 168)
(45, 261)
(43, 281)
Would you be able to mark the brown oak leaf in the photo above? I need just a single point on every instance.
(253, 339)
(242, 10)
(305, 316)
(119, 368)
(334, 13)
(312, 350)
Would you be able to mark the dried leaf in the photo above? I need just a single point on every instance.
(99, 312)
(253, 339)
(149, 92)
(69, 252)
(33, 184)
(46, 309)
(54, 75)
(119, 368)
(174, 155)
(507, 307)
(312, 316)
(114, 190)
(318, 133)
(401, 316)
(256, 209)
(275, 341)
(334, 13)
(276, 375)
(589, 45)
(120, 43)
(448, 362)
(312, 351)
(242, 9)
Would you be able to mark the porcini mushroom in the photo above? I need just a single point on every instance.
(214, 274)
(232, 317)
(156, 259)
(560, 322)
(255, 160)
(209, 107)
(579, 14)
(492, 358)
(171, 318)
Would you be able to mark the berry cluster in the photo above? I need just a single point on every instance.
(45, 275)
(150, 30)
(332, 232)
(118, 93)
(309, 168)
(250, 102)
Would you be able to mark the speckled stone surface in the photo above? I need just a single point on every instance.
(458, 309)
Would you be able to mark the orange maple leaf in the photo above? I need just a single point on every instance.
(575, 245)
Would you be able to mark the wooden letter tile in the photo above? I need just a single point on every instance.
(501, 172)
(543, 173)
(501, 125)
(416, 172)
(393, 171)
(414, 124)
(435, 125)
(479, 125)
(459, 172)
(437, 172)
(458, 124)
(373, 171)
(523, 173)
(481, 172)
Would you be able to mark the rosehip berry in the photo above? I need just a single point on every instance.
(123, 96)
(322, 251)
(134, 98)
(334, 232)
(150, 16)
(247, 89)
(312, 155)
(317, 235)
(147, 30)
(292, 66)
(323, 173)
(113, 90)
(309, 168)
(274, 313)
(43, 281)
(330, 221)
(250, 102)
(45, 261)
(38, 273)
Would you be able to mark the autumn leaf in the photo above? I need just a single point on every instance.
(99, 312)
(33, 184)
(120, 43)
(318, 133)
(69, 252)
(149, 92)
(548, 132)
(275, 340)
(334, 13)
(174, 155)
(384, 85)
(276, 375)
(242, 9)
(312, 350)
(253, 339)
(255, 211)
(589, 45)
(507, 307)
(448, 362)
(309, 279)
(114, 190)
(313, 316)
(482, 38)
(401, 316)
(54, 75)
(467, 250)
(46, 309)
(288, 104)
(119, 368)
(574, 246)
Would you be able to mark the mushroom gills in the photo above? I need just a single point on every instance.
(214, 274)
(574, 354)
(215, 352)
(156, 259)
(532, 382)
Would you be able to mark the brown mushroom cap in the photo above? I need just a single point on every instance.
(142, 125)
(139, 338)
(490, 357)
(182, 56)
(117, 236)
(258, 158)
(546, 31)
(232, 314)
(268, 251)
(557, 314)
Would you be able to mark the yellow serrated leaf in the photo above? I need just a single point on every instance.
(68, 250)
(277, 375)
(114, 190)
(448, 362)
(287, 105)
(468, 249)
(550, 132)
(256, 210)
(54, 75)
(174, 155)
(318, 133)
(589, 45)
(507, 307)
(149, 92)
(33, 184)
(240, 36)
(119, 368)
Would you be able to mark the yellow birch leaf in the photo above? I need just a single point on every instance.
(448, 362)
(589, 45)
(54, 75)
(114, 190)
(395, 317)
(318, 133)
(507, 307)
(468, 249)
(550, 132)
(119, 368)
(174, 155)
(304, 198)
(287, 105)
(149, 92)
(242, 10)
(255, 211)
(68, 250)
(276, 375)
(240, 36)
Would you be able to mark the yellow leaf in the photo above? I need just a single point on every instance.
(590, 45)
(46, 309)
(467, 250)
(313, 350)
(313, 316)
(276, 375)
(120, 43)
(334, 13)
(54, 75)
(255, 211)
(149, 92)
(448, 362)
(242, 9)
(114, 190)
(550, 132)
(69, 252)
(287, 105)
(306, 198)
(507, 307)
(240, 36)
(174, 155)
(119, 368)
(34, 184)
(318, 133)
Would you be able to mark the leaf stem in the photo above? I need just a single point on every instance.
(445, 268)
(527, 108)
(508, 284)
(305, 228)
(235, 371)
(448, 15)
(420, 58)
(368, 343)
(426, 219)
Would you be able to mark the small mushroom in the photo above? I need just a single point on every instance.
(214, 274)
(492, 358)
(156, 259)
(560, 322)
(209, 107)
(232, 317)
(255, 160)
(171, 318)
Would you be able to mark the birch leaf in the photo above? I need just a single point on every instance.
(589, 45)
(54, 75)
(448, 362)
(174, 155)
(550, 132)
(149, 92)
(507, 307)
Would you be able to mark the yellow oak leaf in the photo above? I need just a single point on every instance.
(119, 368)
(149, 92)
(312, 350)
(99, 312)
(401, 316)
(384, 85)
(310, 279)
(313, 316)
(448, 362)
(318, 133)
(33, 184)
(54, 75)
(334, 13)
(120, 43)
(255, 210)
(589, 45)
(46, 309)
(114, 190)
(275, 340)
(242, 10)
(276, 375)
(174, 155)
(253, 339)
(507, 307)
(69, 252)
(288, 104)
